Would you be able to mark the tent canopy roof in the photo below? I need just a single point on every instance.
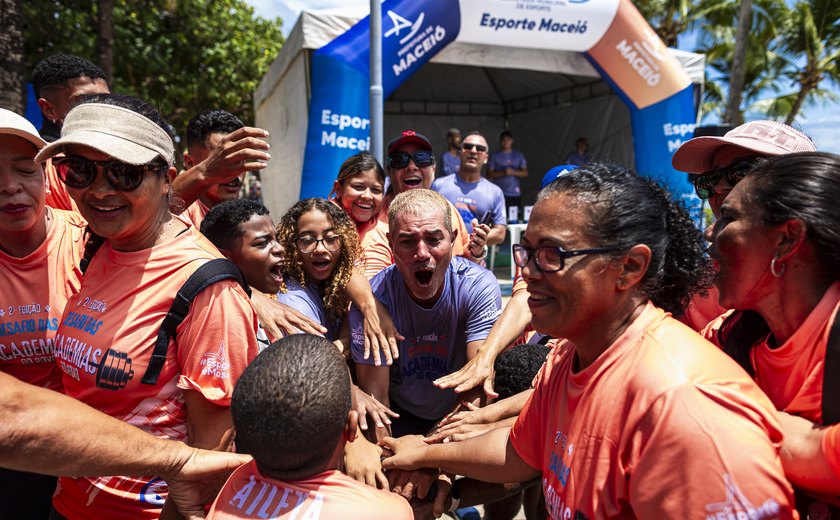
(566, 76)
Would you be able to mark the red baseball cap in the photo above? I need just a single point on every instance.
(409, 136)
(762, 137)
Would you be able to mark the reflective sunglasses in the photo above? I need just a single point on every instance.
(470, 146)
(550, 259)
(704, 184)
(309, 244)
(79, 172)
(421, 158)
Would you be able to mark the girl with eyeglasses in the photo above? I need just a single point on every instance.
(118, 166)
(633, 415)
(360, 190)
(778, 250)
(322, 247)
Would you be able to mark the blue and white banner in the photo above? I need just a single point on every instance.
(612, 34)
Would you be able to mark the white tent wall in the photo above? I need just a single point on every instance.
(547, 98)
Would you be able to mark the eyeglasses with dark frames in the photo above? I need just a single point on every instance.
(550, 259)
(308, 244)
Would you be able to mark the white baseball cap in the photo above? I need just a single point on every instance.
(13, 124)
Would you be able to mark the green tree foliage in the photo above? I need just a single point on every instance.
(184, 56)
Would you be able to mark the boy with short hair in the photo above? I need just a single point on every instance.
(292, 412)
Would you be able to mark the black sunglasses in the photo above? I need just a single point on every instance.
(421, 158)
(470, 146)
(550, 259)
(704, 184)
(79, 172)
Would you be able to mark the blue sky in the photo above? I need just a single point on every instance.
(819, 122)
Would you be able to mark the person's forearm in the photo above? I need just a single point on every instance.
(506, 408)
(189, 185)
(496, 235)
(46, 432)
(359, 293)
(802, 456)
(495, 174)
(521, 173)
(514, 318)
(489, 457)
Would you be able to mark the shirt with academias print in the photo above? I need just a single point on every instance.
(661, 425)
(35, 290)
(104, 344)
(329, 495)
(436, 339)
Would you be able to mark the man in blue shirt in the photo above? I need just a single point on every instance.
(472, 195)
(505, 168)
(444, 306)
(450, 160)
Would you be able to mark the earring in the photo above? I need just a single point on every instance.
(774, 270)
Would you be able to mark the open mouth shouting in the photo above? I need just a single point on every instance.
(413, 181)
(424, 275)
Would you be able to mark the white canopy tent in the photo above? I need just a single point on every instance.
(547, 99)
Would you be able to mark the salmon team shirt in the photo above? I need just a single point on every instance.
(104, 344)
(196, 212)
(57, 196)
(661, 425)
(792, 373)
(328, 495)
(376, 250)
(35, 290)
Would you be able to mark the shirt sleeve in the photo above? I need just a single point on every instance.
(527, 436)
(297, 300)
(216, 341)
(485, 306)
(708, 451)
(377, 252)
(357, 336)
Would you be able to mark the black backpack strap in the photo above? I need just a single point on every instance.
(831, 376)
(211, 272)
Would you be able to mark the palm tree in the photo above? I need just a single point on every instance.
(812, 38)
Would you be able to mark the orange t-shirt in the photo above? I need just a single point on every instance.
(831, 448)
(196, 212)
(702, 310)
(35, 290)
(661, 425)
(57, 196)
(104, 344)
(376, 251)
(462, 241)
(329, 495)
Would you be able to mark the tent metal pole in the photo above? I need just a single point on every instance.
(376, 103)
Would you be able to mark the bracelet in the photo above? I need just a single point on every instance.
(481, 256)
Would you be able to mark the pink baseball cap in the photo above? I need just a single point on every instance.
(762, 137)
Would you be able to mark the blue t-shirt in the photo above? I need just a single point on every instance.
(310, 302)
(435, 339)
(576, 158)
(473, 199)
(501, 160)
(449, 163)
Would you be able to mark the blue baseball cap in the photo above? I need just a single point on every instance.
(555, 172)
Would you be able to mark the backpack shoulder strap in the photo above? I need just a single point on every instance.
(211, 272)
(831, 375)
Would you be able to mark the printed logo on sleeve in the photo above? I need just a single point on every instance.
(737, 505)
(216, 364)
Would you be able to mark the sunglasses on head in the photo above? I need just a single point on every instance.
(79, 172)
(704, 184)
(421, 158)
(470, 146)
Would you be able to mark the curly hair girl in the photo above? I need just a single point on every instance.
(347, 251)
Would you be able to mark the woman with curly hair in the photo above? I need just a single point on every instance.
(322, 247)
(634, 415)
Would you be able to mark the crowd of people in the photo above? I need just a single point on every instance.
(352, 358)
